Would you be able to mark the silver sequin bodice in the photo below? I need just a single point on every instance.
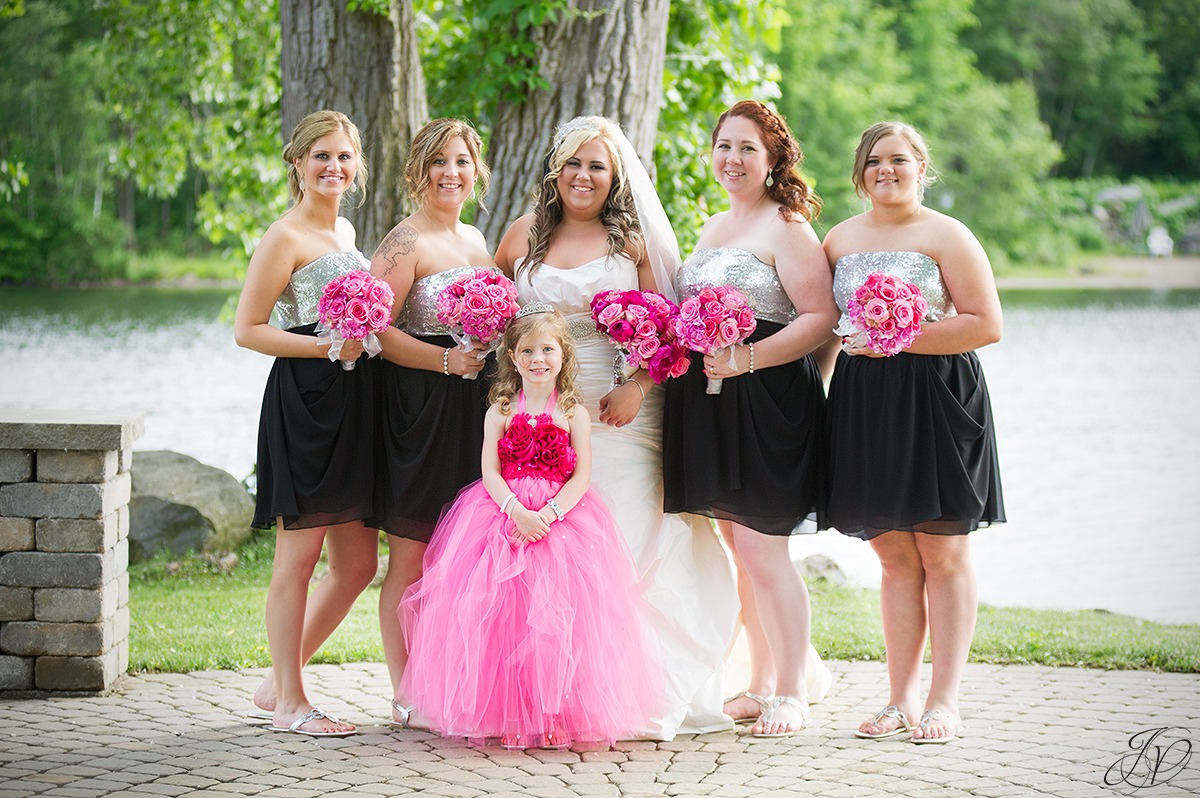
(710, 267)
(917, 268)
(297, 305)
(419, 314)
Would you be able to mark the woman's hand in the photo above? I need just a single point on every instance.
(859, 351)
(531, 526)
(350, 350)
(621, 405)
(469, 362)
(716, 366)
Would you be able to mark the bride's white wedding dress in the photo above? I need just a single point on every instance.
(686, 573)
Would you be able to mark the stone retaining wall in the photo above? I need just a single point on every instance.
(64, 548)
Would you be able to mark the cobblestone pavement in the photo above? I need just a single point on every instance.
(1029, 731)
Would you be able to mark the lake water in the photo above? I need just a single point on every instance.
(1094, 393)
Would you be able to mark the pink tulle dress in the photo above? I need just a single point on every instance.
(536, 643)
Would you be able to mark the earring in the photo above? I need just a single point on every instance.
(770, 181)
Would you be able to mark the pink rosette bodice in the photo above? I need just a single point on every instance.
(534, 446)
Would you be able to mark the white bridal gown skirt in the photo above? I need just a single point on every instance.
(686, 573)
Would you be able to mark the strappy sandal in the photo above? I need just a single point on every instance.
(890, 711)
(308, 717)
(768, 716)
(932, 716)
(406, 713)
(763, 703)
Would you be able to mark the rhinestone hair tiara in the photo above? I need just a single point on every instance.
(532, 308)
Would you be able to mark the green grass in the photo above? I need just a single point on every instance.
(188, 616)
(167, 267)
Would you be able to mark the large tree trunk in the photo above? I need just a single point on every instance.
(366, 66)
(605, 58)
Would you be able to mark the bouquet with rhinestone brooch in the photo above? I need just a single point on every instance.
(717, 318)
(641, 325)
(354, 306)
(476, 307)
(885, 314)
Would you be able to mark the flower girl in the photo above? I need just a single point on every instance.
(524, 625)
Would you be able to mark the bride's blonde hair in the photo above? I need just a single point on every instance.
(533, 319)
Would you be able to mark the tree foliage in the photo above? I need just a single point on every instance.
(166, 113)
(56, 223)
(856, 62)
(1090, 64)
(191, 92)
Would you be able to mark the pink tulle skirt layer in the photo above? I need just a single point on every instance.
(530, 640)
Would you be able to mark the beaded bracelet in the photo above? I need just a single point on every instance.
(446, 362)
(553, 505)
(751, 357)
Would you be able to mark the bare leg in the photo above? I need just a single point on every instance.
(781, 601)
(353, 553)
(902, 600)
(296, 554)
(404, 568)
(762, 666)
(953, 605)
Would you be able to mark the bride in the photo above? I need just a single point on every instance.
(598, 225)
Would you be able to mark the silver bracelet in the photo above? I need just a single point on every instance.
(446, 362)
(507, 501)
(641, 390)
(553, 505)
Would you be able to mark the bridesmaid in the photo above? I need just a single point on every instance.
(314, 483)
(752, 456)
(913, 465)
(431, 416)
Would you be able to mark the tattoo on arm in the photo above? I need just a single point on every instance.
(400, 242)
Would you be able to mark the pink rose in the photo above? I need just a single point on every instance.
(689, 309)
(357, 310)
(887, 327)
(335, 311)
(475, 286)
(475, 303)
(886, 291)
(876, 310)
(609, 314)
(377, 318)
(728, 332)
(647, 329)
(645, 348)
(902, 312)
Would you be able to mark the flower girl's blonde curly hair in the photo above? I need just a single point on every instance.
(535, 318)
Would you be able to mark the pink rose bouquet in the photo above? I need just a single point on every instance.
(886, 314)
(715, 319)
(641, 324)
(354, 306)
(476, 307)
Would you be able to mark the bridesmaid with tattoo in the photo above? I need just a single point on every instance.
(433, 396)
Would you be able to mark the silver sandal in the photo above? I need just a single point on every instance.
(405, 713)
(890, 711)
(768, 716)
(763, 703)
